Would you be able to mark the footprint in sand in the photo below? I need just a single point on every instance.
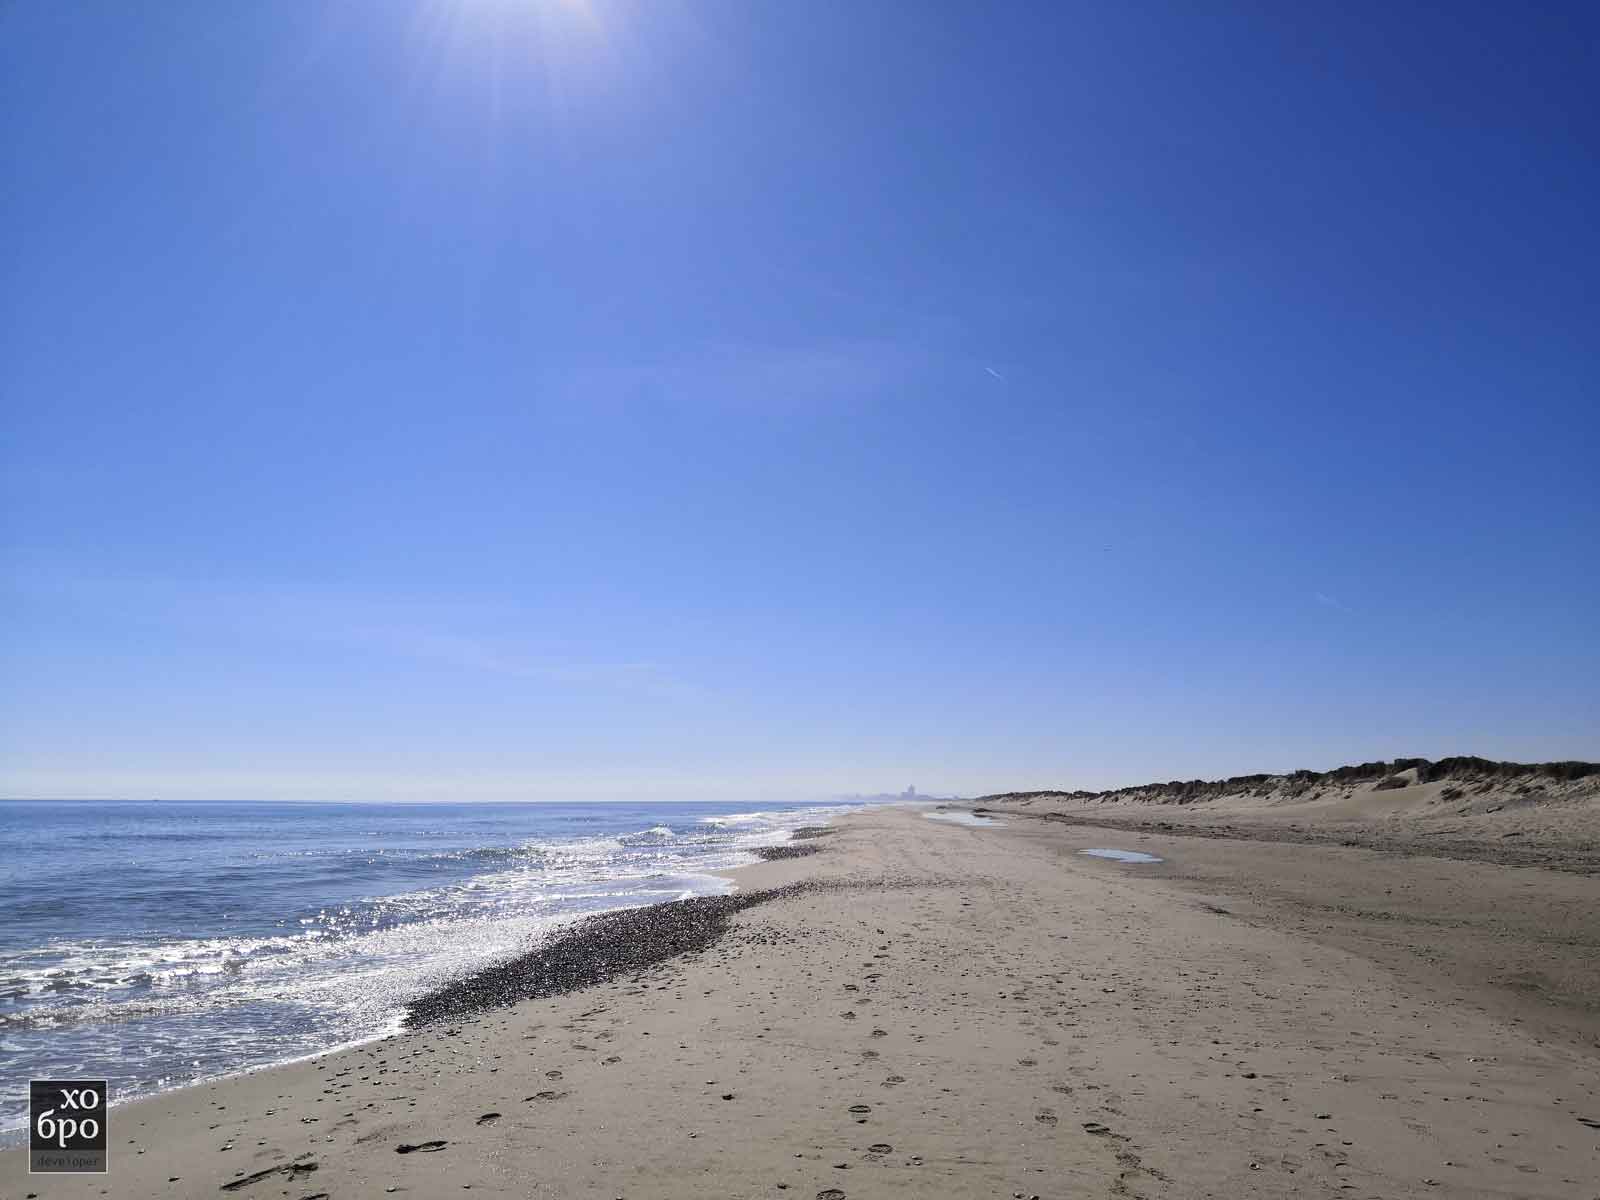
(894, 1080)
(880, 1148)
(830, 1194)
(488, 1118)
(421, 1147)
(1046, 1116)
(880, 1033)
(547, 1096)
(552, 1074)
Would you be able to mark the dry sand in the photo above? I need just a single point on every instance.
(989, 1013)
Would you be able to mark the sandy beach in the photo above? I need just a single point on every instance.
(924, 1008)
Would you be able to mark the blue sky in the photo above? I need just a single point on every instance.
(565, 399)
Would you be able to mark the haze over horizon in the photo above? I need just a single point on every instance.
(577, 399)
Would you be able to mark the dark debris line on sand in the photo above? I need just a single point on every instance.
(595, 950)
(812, 831)
(610, 945)
(772, 853)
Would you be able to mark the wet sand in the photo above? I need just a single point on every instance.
(964, 1011)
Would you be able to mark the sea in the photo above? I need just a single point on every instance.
(156, 944)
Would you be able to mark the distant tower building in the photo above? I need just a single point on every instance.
(910, 793)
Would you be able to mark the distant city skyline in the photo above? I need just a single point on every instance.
(435, 399)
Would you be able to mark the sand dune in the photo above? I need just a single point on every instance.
(1518, 814)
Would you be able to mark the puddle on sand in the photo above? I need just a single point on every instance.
(957, 816)
(1127, 856)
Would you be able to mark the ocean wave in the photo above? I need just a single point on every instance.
(336, 971)
(648, 837)
(728, 819)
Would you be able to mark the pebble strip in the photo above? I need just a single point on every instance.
(595, 950)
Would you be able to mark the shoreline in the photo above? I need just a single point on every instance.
(595, 950)
(601, 947)
(16, 1135)
(943, 1009)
